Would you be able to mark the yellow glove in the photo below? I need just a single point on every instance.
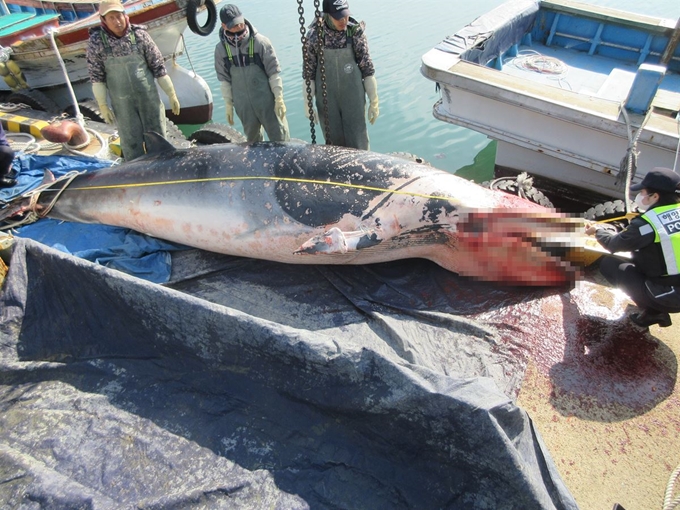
(225, 86)
(305, 103)
(166, 84)
(99, 91)
(371, 88)
(107, 114)
(276, 84)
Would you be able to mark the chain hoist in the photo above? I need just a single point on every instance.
(322, 68)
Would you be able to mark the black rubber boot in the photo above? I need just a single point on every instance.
(645, 319)
(7, 182)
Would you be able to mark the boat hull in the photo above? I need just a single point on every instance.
(166, 22)
(573, 125)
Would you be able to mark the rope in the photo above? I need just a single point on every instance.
(29, 147)
(628, 166)
(12, 107)
(79, 116)
(677, 149)
(524, 182)
(267, 178)
(532, 61)
(186, 52)
(668, 502)
(33, 215)
(100, 153)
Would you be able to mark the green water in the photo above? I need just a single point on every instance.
(399, 32)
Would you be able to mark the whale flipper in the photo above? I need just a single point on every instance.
(337, 241)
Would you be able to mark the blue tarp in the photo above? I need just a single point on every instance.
(118, 248)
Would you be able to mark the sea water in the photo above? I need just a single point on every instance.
(399, 33)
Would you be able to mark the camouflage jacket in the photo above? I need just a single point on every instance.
(334, 39)
(120, 47)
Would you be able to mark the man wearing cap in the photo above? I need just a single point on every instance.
(349, 76)
(652, 279)
(250, 78)
(123, 60)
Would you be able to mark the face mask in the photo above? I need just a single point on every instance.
(639, 201)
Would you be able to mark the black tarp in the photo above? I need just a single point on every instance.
(252, 384)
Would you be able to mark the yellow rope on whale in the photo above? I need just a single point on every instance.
(263, 178)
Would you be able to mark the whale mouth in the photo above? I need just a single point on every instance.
(523, 247)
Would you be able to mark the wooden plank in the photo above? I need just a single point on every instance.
(647, 23)
(667, 100)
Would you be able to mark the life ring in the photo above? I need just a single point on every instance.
(192, 14)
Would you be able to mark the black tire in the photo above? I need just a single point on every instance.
(211, 134)
(607, 211)
(192, 15)
(175, 136)
(510, 185)
(409, 157)
(88, 109)
(33, 99)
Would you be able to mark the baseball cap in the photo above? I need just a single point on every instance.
(231, 15)
(336, 8)
(659, 179)
(110, 5)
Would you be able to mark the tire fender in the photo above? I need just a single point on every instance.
(192, 15)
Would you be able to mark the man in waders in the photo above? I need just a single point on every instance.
(250, 78)
(652, 277)
(349, 76)
(123, 59)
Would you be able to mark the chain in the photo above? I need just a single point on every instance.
(322, 67)
(310, 102)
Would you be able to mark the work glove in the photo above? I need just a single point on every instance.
(315, 116)
(371, 88)
(166, 84)
(99, 91)
(276, 84)
(225, 86)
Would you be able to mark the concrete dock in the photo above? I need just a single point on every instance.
(615, 434)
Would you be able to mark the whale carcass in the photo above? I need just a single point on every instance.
(308, 204)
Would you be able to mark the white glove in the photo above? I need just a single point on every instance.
(276, 84)
(371, 88)
(99, 91)
(305, 103)
(225, 86)
(166, 84)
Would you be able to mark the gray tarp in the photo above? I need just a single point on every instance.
(260, 385)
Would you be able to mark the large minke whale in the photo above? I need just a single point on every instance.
(310, 204)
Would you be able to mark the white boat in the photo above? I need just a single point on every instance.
(29, 62)
(567, 90)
